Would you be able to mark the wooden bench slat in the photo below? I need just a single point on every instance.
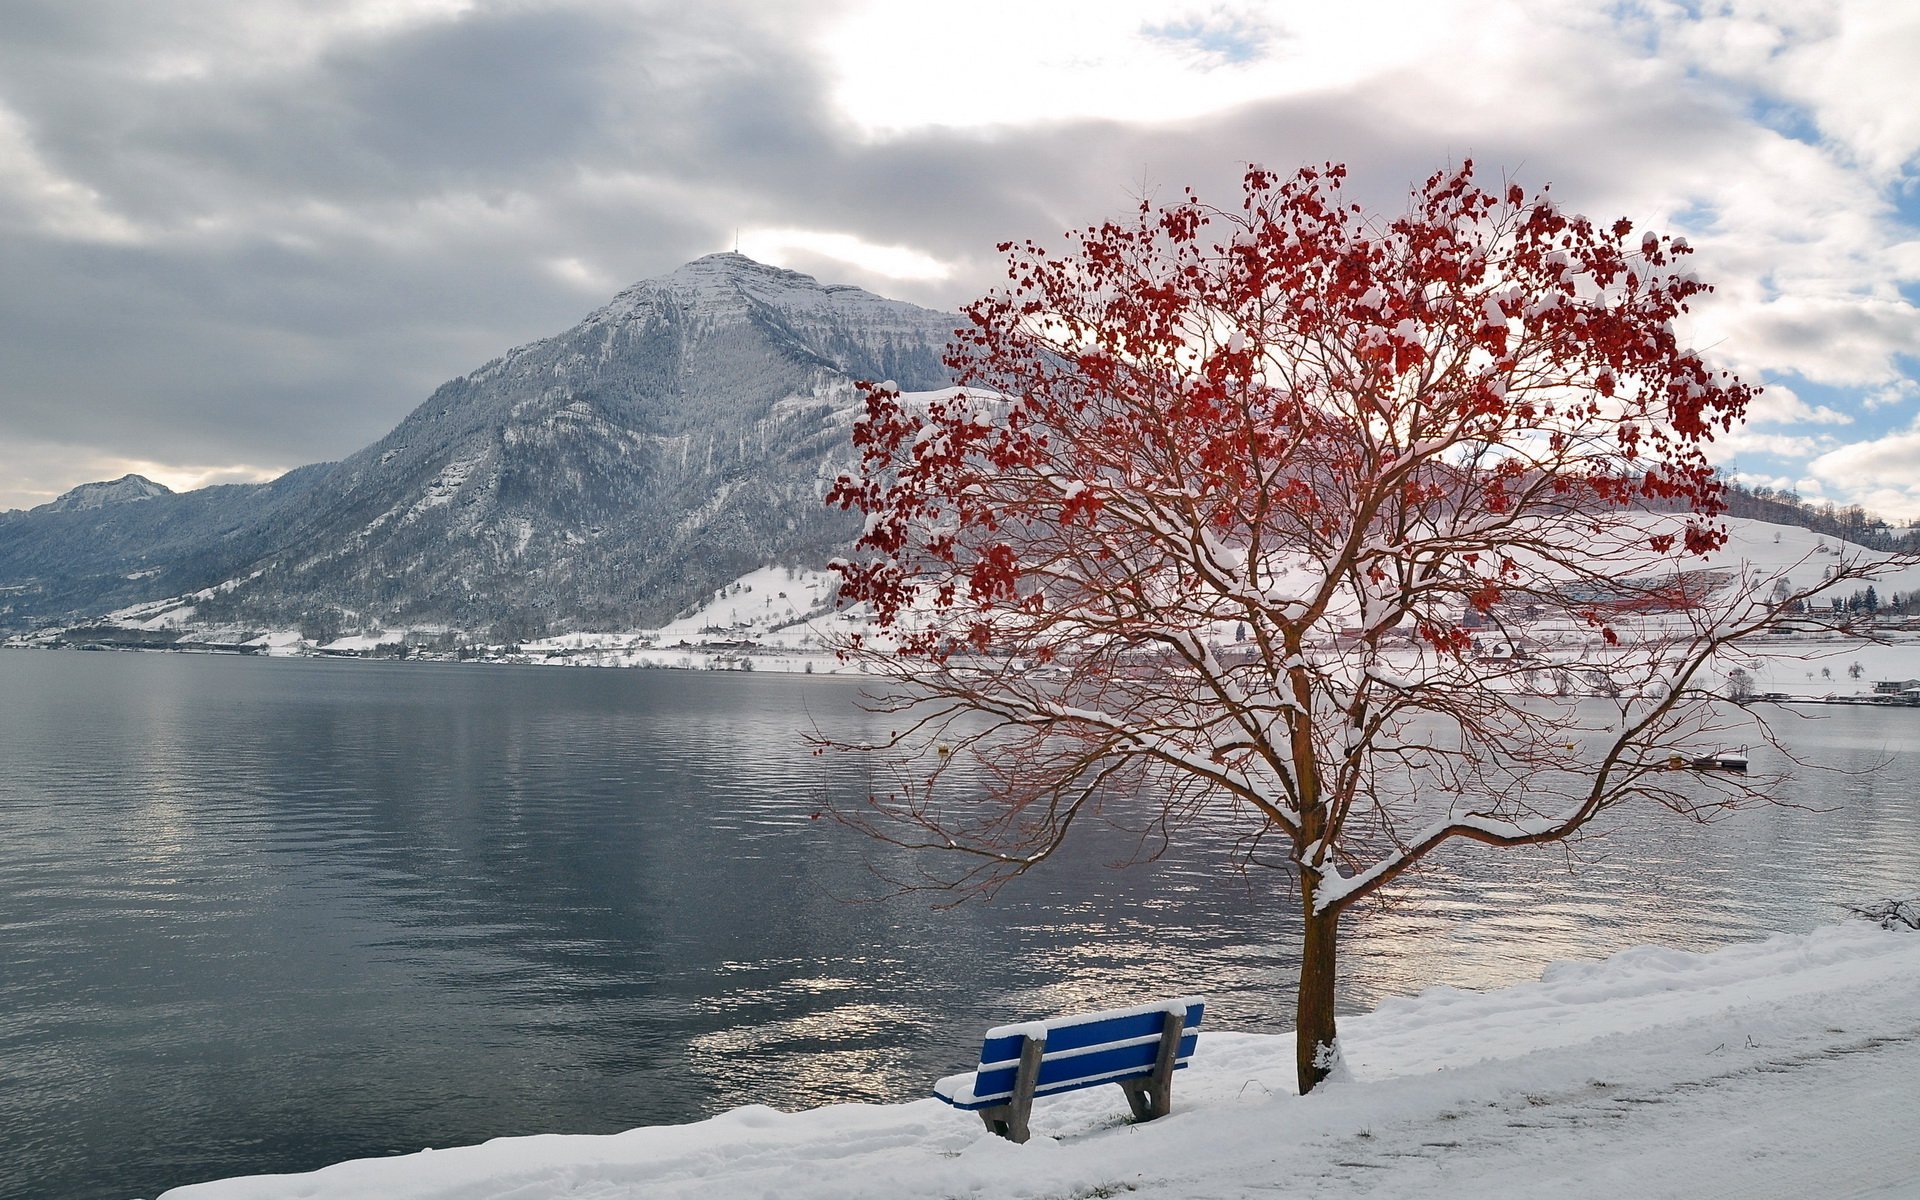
(1096, 1030)
(1085, 1069)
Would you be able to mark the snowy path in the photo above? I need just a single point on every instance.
(1787, 1068)
(1816, 1118)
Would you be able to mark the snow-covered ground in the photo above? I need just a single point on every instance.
(1785, 1068)
(786, 614)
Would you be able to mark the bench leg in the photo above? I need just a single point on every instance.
(1009, 1120)
(1001, 1119)
(1139, 1099)
(1152, 1096)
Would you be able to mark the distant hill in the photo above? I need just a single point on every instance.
(1851, 523)
(124, 490)
(67, 565)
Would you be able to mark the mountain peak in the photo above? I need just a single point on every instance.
(729, 286)
(731, 269)
(733, 259)
(124, 490)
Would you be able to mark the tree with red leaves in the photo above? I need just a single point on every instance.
(1359, 537)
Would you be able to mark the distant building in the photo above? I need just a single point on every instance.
(1680, 592)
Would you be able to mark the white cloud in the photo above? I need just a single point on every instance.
(899, 67)
(1896, 506)
(1811, 258)
(1744, 440)
(576, 273)
(1848, 64)
(1780, 405)
(1779, 483)
(1886, 465)
(1900, 391)
(1796, 246)
(777, 246)
(1837, 340)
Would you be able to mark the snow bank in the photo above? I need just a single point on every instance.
(1781, 1068)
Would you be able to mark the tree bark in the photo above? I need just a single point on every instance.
(1316, 1046)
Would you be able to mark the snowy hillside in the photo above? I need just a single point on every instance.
(772, 619)
(1798, 555)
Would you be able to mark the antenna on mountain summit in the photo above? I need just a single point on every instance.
(736, 239)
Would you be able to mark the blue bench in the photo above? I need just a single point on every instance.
(1138, 1048)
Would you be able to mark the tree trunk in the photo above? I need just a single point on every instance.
(1316, 1047)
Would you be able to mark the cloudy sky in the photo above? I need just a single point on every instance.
(241, 235)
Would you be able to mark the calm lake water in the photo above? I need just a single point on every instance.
(264, 915)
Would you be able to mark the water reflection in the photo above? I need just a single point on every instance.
(264, 915)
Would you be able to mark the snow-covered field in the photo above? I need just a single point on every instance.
(1785, 1068)
(787, 614)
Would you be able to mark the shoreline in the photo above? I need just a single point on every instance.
(1775, 1068)
(1769, 661)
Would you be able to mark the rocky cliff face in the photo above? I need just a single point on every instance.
(610, 475)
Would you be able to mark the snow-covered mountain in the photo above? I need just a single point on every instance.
(613, 474)
(123, 490)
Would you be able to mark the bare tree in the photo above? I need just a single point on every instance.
(1739, 684)
(1360, 441)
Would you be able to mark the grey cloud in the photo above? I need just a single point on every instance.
(329, 243)
(485, 96)
(500, 100)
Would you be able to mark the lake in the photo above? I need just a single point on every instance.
(267, 914)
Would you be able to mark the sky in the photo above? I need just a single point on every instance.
(237, 236)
